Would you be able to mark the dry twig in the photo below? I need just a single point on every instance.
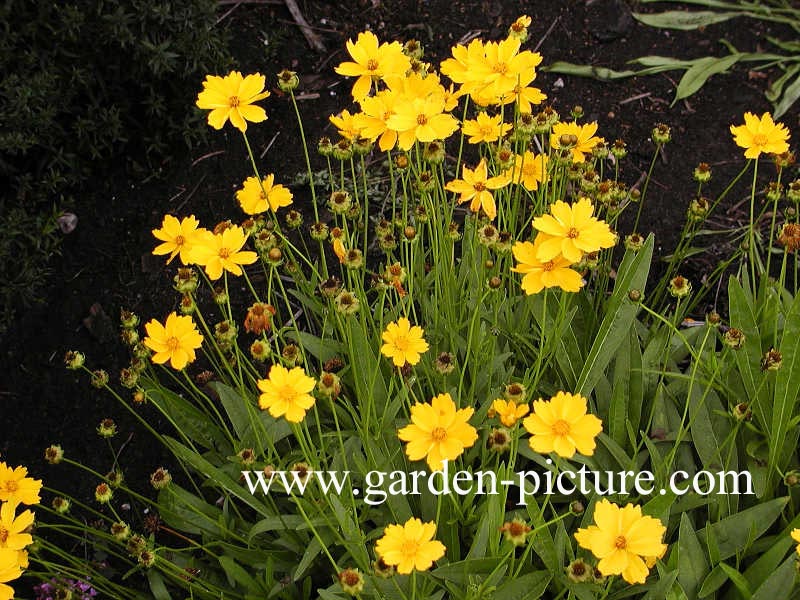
(312, 38)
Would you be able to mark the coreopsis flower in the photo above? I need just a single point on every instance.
(286, 393)
(508, 411)
(346, 124)
(403, 343)
(13, 527)
(519, 28)
(223, 251)
(174, 341)
(580, 139)
(17, 487)
(461, 66)
(572, 231)
(410, 546)
(485, 128)
(372, 61)
(561, 425)
(421, 119)
(503, 64)
(372, 120)
(256, 198)
(761, 134)
(438, 431)
(539, 274)
(178, 237)
(10, 569)
(523, 93)
(259, 318)
(622, 539)
(231, 98)
(475, 187)
(528, 170)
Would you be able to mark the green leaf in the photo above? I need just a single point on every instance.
(733, 534)
(187, 513)
(237, 575)
(322, 350)
(462, 571)
(787, 390)
(692, 565)
(766, 564)
(715, 580)
(619, 315)
(780, 583)
(703, 68)
(627, 394)
(528, 587)
(235, 406)
(684, 20)
(776, 87)
(313, 550)
(737, 579)
(566, 68)
(191, 423)
(748, 357)
(790, 96)
(157, 586)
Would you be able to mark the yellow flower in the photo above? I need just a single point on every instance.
(372, 62)
(541, 274)
(410, 546)
(582, 138)
(796, 538)
(339, 250)
(13, 527)
(10, 569)
(255, 198)
(485, 128)
(286, 393)
(622, 538)
(528, 170)
(421, 119)
(231, 97)
(403, 343)
(572, 231)
(175, 341)
(561, 425)
(223, 251)
(371, 121)
(503, 64)
(16, 486)
(178, 237)
(759, 135)
(508, 411)
(475, 186)
(346, 124)
(438, 431)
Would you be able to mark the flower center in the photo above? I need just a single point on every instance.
(3, 535)
(560, 427)
(180, 240)
(233, 101)
(500, 67)
(572, 233)
(409, 548)
(439, 434)
(288, 394)
(760, 139)
(11, 486)
(224, 252)
(486, 130)
(173, 343)
(479, 186)
(372, 64)
(401, 343)
(422, 120)
(620, 542)
(548, 266)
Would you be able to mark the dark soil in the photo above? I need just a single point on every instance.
(106, 261)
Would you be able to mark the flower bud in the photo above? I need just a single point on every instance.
(661, 134)
(160, 478)
(680, 287)
(74, 360)
(702, 173)
(352, 582)
(444, 363)
(53, 454)
(772, 360)
(516, 532)
(288, 80)
(733, 338)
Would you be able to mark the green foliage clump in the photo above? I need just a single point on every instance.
(82, 83)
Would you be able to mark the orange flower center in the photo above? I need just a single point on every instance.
(224, 252)
(401, 343)
(572, 233)
(560, 427)
(500, 67)
(3, 534)
(233, 101)
(11, 486)
(620, 542)
(422, 120)
(439, 434)
(288, 394)
(372, 64)
(180, 240)
(173, 343)
(409, 548)
(548, 266)
(760, 139)
(479, 186)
